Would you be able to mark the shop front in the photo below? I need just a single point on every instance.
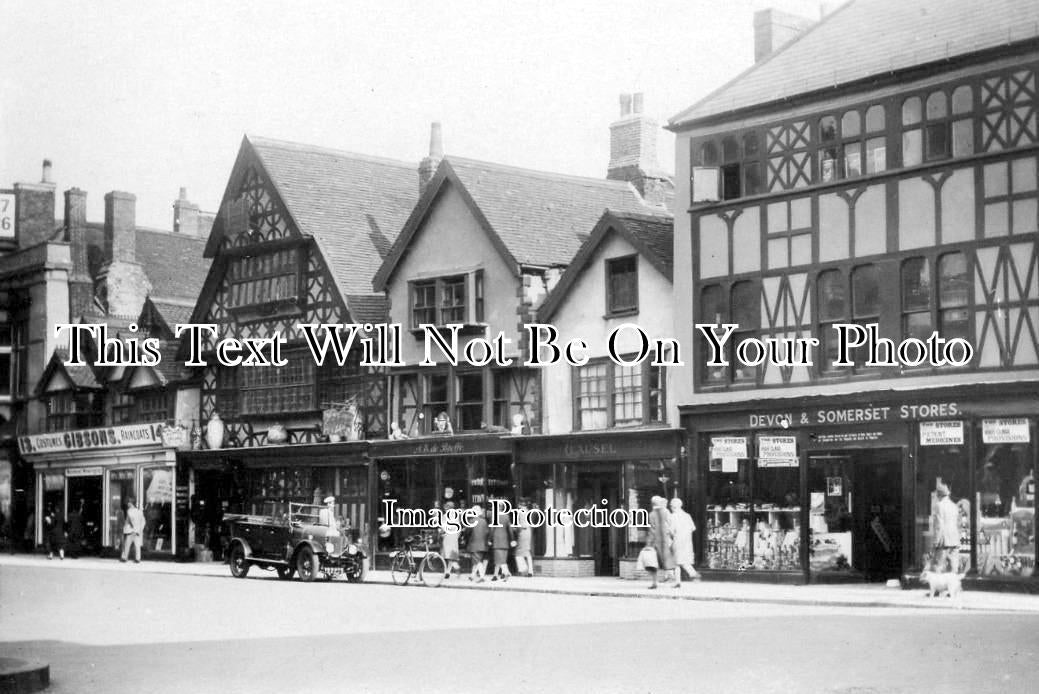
(845, 488)
(452, 471)
(89, 476)
(606, 471)
(264, 480)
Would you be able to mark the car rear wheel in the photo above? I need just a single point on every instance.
(360, 575)
(285, 572)
(307, 565)
(400, 569)
(239, 564)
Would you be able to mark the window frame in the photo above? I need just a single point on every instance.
(610, 265)
(447, 289)
(649, 384)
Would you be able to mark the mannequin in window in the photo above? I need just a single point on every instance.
(442, 424)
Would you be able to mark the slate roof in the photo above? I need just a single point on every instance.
(173, 262)
(538, 215)
(353, 205)
(173, 313)
(535, 218)
(867, 38)
(652, 235)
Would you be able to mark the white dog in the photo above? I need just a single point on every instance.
(937, 583)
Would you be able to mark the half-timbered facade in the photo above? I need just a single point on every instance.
(895, 188)
(300, 233)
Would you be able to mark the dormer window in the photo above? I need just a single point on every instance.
(622, 285)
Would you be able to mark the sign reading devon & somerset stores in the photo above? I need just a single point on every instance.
(103, 437)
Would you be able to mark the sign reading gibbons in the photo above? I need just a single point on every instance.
(104, 437)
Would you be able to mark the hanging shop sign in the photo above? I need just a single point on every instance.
(777, 451)
(104, 437)
(941, 433)
(728, 447)
(83, 471)
(1005, 430)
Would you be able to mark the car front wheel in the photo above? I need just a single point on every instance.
(307, 565)
(360, 574)
(239, 564)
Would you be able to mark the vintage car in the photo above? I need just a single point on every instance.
(306, 540)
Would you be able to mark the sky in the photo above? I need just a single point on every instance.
(150, 97)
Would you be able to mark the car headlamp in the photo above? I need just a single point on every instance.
(352, 549)
(330, 548)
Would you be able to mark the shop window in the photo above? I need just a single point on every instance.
(158, 509)
(622, 285)
(945, 465)
(437, 398)
(121, 487)
(1005, 498)
(727, 537)
(777, 518)
(469, 408)
(830, 521)
(832, 290)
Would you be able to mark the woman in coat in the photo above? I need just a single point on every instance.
(683, 547)
(479, 535)
(54, 530)
(524, 561)
(501, 541)
(449, 543)
(660, 537)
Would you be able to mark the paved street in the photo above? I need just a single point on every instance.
(124, 629)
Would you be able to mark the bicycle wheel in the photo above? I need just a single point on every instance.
(432, 571)
(400, 568)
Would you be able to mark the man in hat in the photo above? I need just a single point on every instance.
(947, 531)
(327, 516)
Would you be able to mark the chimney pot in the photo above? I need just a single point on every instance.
(183, 193)
(46, 171)
(436, 141)
(120, 227)
(636, 102)
(428, 166)
(625, 105)
(774, 28)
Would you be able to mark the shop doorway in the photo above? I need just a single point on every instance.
(855, 516)
(599, 488)
(83, 516)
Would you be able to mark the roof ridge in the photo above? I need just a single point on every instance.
(605, 182)
(316, 149)
(661, 215)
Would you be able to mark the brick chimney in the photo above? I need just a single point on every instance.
(81, 284)
(35, 221)
(123, 285)
(774, 28)
(428, 166)
(186, 216)
(633, 151)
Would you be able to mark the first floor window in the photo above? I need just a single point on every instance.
(607, 394)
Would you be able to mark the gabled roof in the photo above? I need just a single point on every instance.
(169, 314)
(652, 235)
(534, 218)
(80, 376)
(352, 205)
(871, 38)
(168, 370)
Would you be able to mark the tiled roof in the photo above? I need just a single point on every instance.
(867, 38)
(657, 236)
(652, 235)
(537, 215)
(352, 205)
(81, 375)
(173, 313)
(173, 263)
(368, 308)
(170, 369)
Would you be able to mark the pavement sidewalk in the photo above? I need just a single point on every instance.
(854, 595)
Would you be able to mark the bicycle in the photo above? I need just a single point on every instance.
(427, 563)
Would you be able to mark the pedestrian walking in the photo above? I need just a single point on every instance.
(74, 527)
(29, 532)
(501, 543)
(947, 531)
(133, 529)
(449, 547)
(523, 532)
(660, 538)
(479, 536)
(684, 526)
(54, 532)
